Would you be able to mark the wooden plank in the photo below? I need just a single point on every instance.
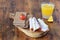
(20, 5)
(1, 16)
(56, 14)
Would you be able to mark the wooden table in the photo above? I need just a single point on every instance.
(54, 33)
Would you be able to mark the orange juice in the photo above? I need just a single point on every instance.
(47, 10)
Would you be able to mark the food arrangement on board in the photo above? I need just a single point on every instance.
(32, 26)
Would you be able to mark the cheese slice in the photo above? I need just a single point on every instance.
(50, 19)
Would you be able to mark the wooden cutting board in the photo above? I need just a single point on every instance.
(20, 24)
(31, 33)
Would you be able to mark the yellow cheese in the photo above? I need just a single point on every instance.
(50, 19)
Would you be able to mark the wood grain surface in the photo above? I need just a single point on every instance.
(8, 6)
(54, 33)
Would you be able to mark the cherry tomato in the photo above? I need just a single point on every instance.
(22, 17)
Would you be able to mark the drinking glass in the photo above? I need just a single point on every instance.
(47, 10)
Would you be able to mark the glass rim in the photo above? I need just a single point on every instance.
(48, 3)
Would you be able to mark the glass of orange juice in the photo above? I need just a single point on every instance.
(47, 10)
